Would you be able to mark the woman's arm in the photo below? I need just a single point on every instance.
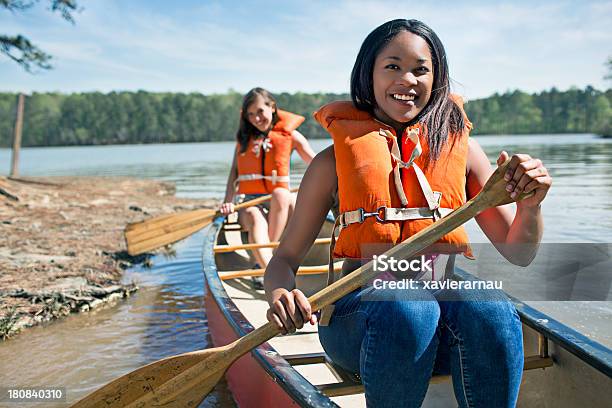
(289, 307)
(227, 206)
(516, 236)
(300, 143)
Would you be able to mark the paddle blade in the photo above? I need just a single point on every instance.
(146, 224)
(148, 240)
(177, 223)
(138, 228)
(179, 381)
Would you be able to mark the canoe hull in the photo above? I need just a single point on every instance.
(249, 383)
(261, 378)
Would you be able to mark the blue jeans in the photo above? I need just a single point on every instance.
(396, 339)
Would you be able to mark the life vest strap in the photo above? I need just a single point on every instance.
(413, 135)
(383, 214)
(273, 178)
(328, 310)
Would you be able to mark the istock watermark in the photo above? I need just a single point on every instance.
(418, 274)
(436, 285)
(384, 263)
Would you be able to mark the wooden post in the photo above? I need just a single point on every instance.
(17, 136)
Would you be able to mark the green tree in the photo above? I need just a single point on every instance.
(602, 115)
(491, 116)
(7, 117)
(42, 112)
(53, 119)
(18, 47)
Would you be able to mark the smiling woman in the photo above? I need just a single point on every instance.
(265, 140)
(402, 159)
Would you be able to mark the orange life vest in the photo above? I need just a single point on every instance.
(265, 164)
(381, 204)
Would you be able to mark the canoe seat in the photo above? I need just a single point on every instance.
(350, 383)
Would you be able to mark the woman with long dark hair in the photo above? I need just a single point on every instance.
(402, 158)
(266, 138)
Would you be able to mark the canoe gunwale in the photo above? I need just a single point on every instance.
(291, 381)
(591, 352)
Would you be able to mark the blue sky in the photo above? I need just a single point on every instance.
(309, 46)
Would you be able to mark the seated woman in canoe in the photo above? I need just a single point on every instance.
(266, 138)
(402, 157)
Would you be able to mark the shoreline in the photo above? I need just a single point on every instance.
(62, 249)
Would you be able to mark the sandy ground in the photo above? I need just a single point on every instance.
(61, 242)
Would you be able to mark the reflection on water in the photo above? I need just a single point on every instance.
(166, 316)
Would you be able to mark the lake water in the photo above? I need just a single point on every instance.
(167, 317)
(577, 209)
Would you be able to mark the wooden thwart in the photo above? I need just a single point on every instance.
(232, 248)
(303, 270)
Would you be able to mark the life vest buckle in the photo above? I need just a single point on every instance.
(382, 209)
(359, 215)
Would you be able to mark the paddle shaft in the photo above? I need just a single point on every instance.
(259, 200)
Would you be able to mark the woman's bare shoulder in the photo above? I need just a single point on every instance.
(327, 156)
(324, 162)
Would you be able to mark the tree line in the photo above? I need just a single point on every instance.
(54, 119)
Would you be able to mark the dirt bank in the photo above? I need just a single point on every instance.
(61, 242)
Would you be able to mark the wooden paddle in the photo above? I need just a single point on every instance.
(185, 380)
(151, 234)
